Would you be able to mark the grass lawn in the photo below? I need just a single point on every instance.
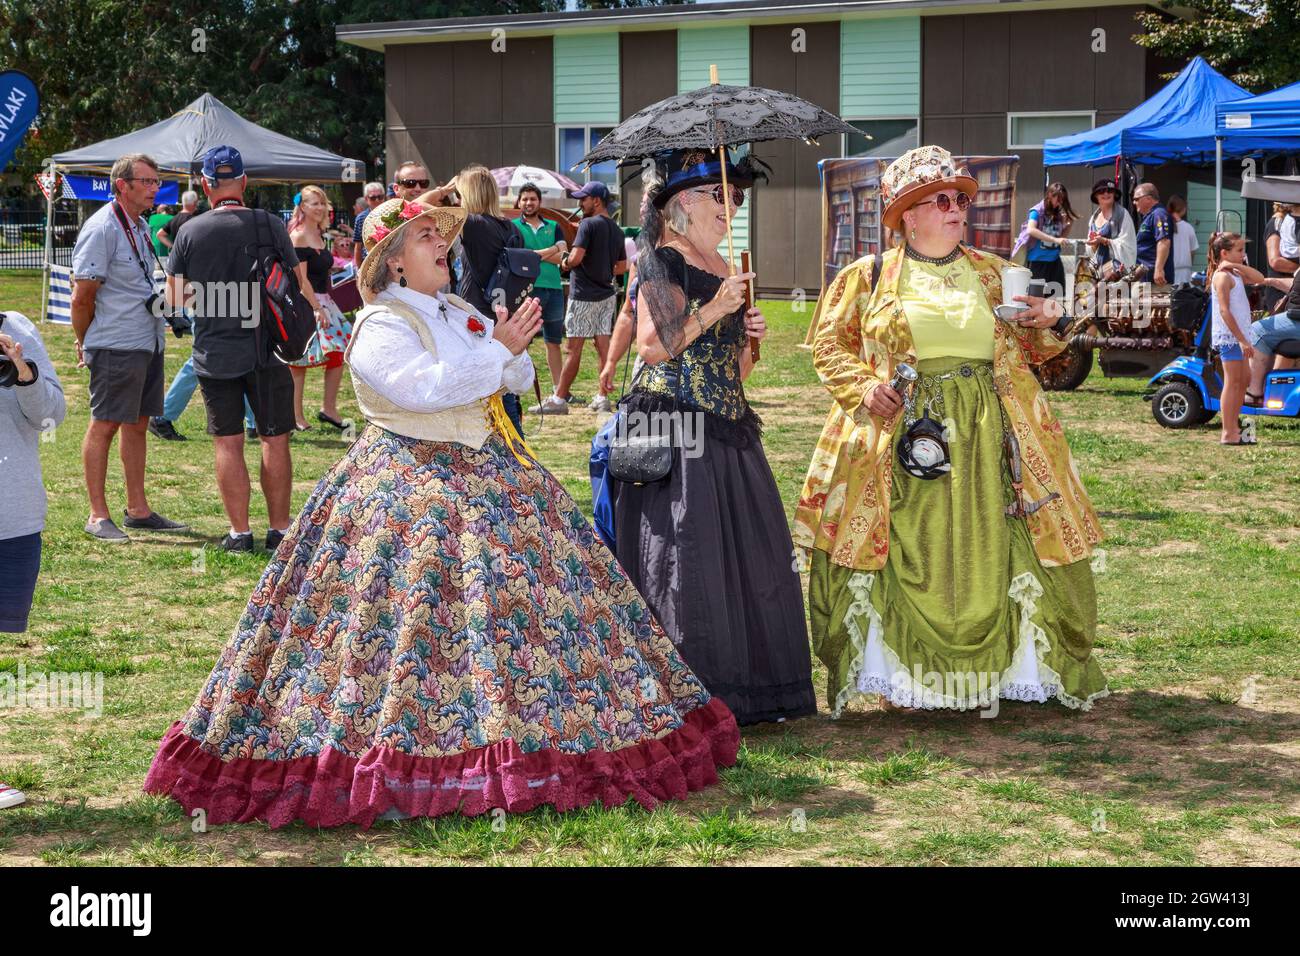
(1192, 760)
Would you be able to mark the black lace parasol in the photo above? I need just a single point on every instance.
(714, 116)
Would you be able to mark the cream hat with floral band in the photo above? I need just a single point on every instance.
(916, 174)
(393, 215)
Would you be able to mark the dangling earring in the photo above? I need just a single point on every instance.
(913, 237)
(401, 281)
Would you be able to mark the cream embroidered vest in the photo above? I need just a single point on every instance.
(467, 424)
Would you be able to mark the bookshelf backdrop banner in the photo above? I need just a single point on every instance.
(851, 208)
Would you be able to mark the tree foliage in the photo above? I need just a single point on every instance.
(1252, 42)
(106, 67)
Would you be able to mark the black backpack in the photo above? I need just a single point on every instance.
(287, 322)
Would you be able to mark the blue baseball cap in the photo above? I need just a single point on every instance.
(222, 162)
(594, 188)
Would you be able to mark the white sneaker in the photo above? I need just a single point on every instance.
(601, 404)
(9, 797)
(551, 405)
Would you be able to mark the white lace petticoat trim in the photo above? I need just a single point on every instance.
(876, 669)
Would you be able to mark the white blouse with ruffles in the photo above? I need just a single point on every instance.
(389, 357)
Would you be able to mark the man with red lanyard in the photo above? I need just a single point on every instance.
(117, 319)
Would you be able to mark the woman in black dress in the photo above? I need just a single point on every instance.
(709, 547)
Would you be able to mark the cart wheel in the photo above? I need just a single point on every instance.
(1178, 405)
(1067, 371)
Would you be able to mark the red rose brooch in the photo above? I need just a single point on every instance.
(476, 326)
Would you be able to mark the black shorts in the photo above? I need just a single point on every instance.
(125, 385)
(269, 391)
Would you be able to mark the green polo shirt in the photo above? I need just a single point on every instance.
(542, 237)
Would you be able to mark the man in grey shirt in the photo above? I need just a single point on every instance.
(120, 338)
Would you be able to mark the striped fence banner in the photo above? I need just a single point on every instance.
(58, 302)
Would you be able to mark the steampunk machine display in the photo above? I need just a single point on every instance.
(1135, 328)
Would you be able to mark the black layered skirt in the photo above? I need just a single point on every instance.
(709, 549)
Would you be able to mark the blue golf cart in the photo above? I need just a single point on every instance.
(1186, 391)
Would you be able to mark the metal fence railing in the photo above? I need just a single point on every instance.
(22, 238)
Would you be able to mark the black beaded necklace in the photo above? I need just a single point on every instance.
(932, 260)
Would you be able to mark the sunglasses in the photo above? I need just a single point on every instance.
(375, 197)
(414, 183)
(737, 195)
(943, 202)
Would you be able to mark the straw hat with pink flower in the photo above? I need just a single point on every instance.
(386, 221)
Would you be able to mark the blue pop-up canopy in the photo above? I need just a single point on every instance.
(1269, 122)
(1178, 123)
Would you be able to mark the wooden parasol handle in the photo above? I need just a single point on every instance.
(749, 301)
(726, 201)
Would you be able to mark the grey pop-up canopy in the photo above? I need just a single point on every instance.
(179, 142)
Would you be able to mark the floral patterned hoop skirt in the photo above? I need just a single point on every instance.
(441, 630)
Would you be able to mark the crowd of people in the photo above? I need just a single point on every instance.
(441, 629)
(1161, 248)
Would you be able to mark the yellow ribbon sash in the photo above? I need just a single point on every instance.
(500, 422)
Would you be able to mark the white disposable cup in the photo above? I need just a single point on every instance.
(1015, 281)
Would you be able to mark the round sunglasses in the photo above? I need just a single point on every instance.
(943, 202)
(737, 195)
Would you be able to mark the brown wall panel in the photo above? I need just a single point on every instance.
(987, 73)
(1051, 60)
(945, 131)
(647, 69)
(433, 147)
(647, 74)
(476, 144)
(785, 231)
(1121, 70)
(527, 78)
(452, 104)
(772, 64)
(528, 145)
(984, 136)
(476, 97)
(942, 64)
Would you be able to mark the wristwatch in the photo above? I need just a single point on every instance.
(1061, 326)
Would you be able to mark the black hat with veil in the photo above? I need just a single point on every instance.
(663, 176)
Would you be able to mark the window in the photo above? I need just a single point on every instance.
(1030, 130)
(574, 142)
(881, 137)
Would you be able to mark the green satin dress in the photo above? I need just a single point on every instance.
(963, 613)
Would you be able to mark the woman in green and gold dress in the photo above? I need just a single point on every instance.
(973, 582)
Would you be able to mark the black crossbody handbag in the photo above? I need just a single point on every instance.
(644, 458)
(515, 275)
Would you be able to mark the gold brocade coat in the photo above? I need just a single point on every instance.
(862, 334)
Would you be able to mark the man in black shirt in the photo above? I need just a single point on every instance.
(598, 256)
(189, 209)
(211, 265)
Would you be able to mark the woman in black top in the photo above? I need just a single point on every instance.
(485, 234)
(333, 329)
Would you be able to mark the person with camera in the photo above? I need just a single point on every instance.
(31, 401)
(119, 328)
(214, 253)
